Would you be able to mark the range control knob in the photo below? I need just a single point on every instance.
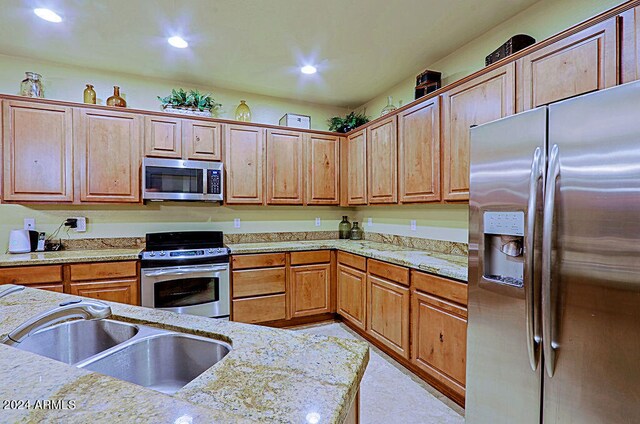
(163, 253)
(210, 251)
(152, 254)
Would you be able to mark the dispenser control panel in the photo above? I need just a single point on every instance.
(504, 223)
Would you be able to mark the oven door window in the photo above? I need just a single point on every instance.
(186, 292)
(173, 180)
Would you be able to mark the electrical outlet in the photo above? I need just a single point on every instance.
(317, 222)
(370, 222)
(413, 225)
(81, 224)
(29, 223)
(236, 223)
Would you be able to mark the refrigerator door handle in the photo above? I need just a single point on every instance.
(548, 318)
(535, 177)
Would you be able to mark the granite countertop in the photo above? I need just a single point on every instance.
(271, 375)
(446, 265)
(68, 256)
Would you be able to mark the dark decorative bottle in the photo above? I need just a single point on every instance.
(356, 232)
(344, 228)
(116, 100)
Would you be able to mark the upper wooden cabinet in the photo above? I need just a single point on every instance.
(244, 154)
(323, 169)
(202, 140)
(38, 151)
(382, 161)
(419, 152)
(583, 62)
(629, 22)
(163, 137)
(357, 168)
(483, 99)
(285, 152)
(108, 145)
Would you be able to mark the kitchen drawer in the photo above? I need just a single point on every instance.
(454, 291)
(258, 261)
(395, 273)
(260, 309)
(28, 275)
(354, 261)
(255, 282)
(103, 270)
(312, 257)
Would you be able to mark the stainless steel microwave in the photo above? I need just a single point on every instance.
(176, 179)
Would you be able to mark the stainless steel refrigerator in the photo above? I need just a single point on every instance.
(554, 264)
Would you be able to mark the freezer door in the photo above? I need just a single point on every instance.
(503, 355)
(591, 302)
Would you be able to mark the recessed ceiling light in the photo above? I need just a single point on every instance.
(178, 42)
(308, 69)
(47, 15)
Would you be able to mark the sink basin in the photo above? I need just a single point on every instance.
(164, 362)
(75, 341)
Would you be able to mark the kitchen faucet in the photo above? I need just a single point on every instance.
(84, 309)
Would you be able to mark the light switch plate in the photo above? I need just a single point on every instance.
(413, 225)
(236, 223)
(318, 222)
(370, 222)
(29, 223)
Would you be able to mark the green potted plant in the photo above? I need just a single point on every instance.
(348, 123)
(189, 103)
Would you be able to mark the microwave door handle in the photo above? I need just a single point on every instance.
(185, 271)
(205, 181)
(548, 315)
(535, 177)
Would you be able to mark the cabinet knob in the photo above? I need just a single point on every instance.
(197, 138)
(441, 338)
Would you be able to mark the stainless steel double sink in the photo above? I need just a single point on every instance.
(161, 360)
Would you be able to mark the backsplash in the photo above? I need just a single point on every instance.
(429, 245)
(281, 236)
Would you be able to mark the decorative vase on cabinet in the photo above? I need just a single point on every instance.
(89, 95)
(243, 113)
(116, 100)
(31, 86)
(344, 228)
(389, 107)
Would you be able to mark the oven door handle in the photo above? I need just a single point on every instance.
(185, 271)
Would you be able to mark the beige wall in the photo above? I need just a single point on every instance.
(67, 83)
(542, 20)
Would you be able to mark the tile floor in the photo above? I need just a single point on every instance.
(391, 394)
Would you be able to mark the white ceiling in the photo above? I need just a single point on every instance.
(361, 47)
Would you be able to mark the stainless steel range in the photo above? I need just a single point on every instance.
(186, 272)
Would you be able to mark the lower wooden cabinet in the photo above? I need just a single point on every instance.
(352, 295)
(260, 309)
(110, 281)
(310, 289)
(439, 340)
(388, 314)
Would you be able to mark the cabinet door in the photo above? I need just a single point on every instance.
(323, 169)
(244, 154)
(121, 291)
(439, 334)
(352, 294)
(382, 153)
(388, 314)
(419, 152)
(108, 155)
(583, 62)
(284, 167)
(202, 140)
(629, 21)
(310, 290)
(163, 137)
(45, 277)
(357, 168)
(486, 98)
(38, 152)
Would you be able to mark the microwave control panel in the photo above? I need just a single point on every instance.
(214, 179)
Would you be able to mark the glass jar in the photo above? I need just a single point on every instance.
(89, 95)
(31, 86)
(389, 107)
(344, 228)
(116, 100)
(243, 113)
(356, 232)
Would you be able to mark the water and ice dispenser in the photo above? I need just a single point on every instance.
(503, 247)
